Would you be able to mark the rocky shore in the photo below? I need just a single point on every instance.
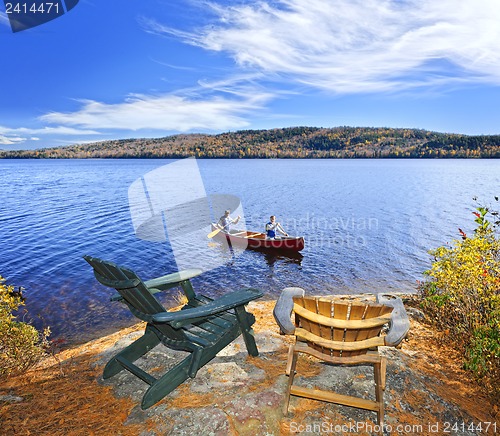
(427, 392)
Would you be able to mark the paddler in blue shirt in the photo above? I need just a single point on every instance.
(272, 227)
(225, 221)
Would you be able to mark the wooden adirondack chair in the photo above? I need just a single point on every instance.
(203, 327)
(340, 332)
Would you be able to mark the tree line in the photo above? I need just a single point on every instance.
(291, 142)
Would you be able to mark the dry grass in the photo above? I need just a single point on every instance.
(444, 363)
(64, 403)
(65, 398)
(61, 397)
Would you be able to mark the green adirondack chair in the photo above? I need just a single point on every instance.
(202, 327)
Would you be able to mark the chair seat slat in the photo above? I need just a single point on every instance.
(211, 328)
(202, 333)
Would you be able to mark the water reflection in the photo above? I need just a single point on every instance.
(272, 257)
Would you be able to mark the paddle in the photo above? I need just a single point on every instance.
(212, 234)
(253, 235)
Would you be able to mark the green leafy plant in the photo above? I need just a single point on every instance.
(462, 297)
(21, 344)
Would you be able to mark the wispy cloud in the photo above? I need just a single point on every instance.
(216, 106)
(165, 112)
(11, 140)
(18, 135)
(358, 45)
(60, 130)
(174, 67)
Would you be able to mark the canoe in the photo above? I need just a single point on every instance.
(257, 240)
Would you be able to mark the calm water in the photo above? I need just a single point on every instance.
(368, 225)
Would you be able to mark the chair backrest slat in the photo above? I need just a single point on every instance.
(340, 311)
(112, 271)
(372, 311)
(310, 304)
(325, 309)
(356, 312)
(376, 311)
(138, 296)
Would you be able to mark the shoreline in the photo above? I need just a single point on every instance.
(234, 394)
(95, 334)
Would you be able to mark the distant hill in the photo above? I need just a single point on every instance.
(292, 142)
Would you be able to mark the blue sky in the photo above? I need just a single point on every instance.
(121, 69)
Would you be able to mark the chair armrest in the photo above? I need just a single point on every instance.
(163, 283)
(284, 307)
(171, 280)
(399, 324)
(224, 303)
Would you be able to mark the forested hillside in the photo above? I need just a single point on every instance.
(293, 142)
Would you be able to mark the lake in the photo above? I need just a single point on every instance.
(368, 226)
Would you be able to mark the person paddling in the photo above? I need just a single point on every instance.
(272, 227)
(225, 221)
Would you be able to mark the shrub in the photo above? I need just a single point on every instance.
(462, 298)
(21, 345)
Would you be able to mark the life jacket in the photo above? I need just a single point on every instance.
(271, 233)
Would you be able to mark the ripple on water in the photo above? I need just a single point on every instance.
(368, 226)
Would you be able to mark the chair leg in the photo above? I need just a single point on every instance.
(187, 368)
(379, 373)
(383, 366)
(166, 384)
(195, 363)
(246, 330)
(131, 353)
(291, 364)
(289, 360)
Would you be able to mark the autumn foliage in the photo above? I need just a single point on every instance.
(290, 143)
(21, 345)
(462, 297)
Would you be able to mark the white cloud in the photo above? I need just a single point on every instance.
(17, 135)
(167, 112)
(59, 130)
(11, 140)
(225, 108)
(357, 45)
